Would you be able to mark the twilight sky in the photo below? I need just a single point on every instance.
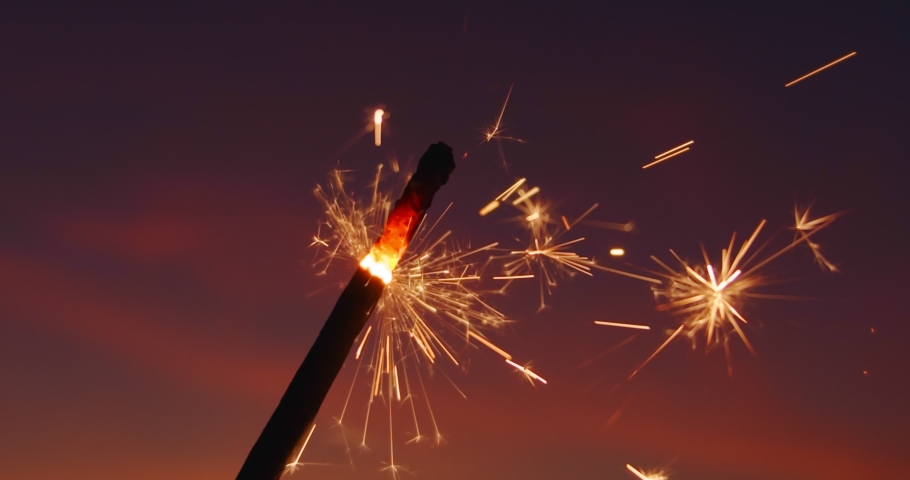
(157, 162)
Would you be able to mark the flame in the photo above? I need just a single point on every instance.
(387, 251)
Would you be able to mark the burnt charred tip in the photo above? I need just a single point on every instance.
(433, 172)
(435, 166)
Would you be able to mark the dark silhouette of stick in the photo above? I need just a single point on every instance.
(304, 395)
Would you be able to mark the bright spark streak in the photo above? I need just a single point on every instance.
(820, 69)
(530, 193)
(490, 345)
(623, 325)
(617, 252)
(293, 466)
(489, 208)
(527, 372)
(493, 133)
(690, 142)
(377, 126)
(509, 191)
(362, 342)
(513, 277)
(655, 162)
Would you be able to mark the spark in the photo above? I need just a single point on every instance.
(431, 300)
(295, 465)
(820, 69)
(711, 300)
(495, 132)
(526, 371)
(670, 154)
(659, 475)
(805, 225)
(547, 255)
(377, 126)
(622, 325)
(690, 142)
(617, 252)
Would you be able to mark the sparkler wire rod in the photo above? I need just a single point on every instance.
(309, 386)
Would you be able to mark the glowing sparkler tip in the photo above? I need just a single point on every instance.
(378, 268)
(377, 115)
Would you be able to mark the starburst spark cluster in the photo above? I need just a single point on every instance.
(549, 252)
(647, 475)
(431, 310)
(709, 297)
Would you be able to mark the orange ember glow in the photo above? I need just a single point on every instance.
(387, 251)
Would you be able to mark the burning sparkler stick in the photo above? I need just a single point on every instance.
(377, 126)
(304, 395)
(820, 69)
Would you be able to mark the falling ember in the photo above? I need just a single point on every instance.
(820, 69)
(617, 252)
(647, 476)
(377, 126)
(670, 154)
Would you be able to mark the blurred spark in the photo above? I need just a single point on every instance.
(820, 69)
(377, 126)
(617, 252)
(622, 325)
(526, 371)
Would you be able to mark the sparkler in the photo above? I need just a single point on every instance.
(304, 395)
(429, 312)
(820, 69)
(710, 301)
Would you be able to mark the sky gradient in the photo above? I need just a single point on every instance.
(157, 162)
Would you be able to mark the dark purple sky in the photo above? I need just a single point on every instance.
(157, 162)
